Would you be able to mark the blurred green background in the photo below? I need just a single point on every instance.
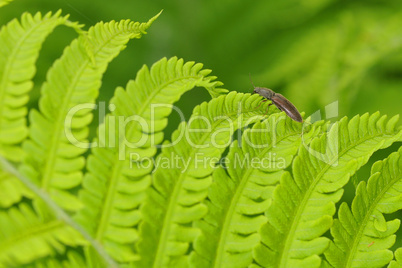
(314, 52)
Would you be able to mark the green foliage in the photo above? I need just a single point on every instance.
(28, 234)
(73, 79)
(398, 259)
(362, 236)
(238, 198)
(239, 184)
(303, 205)
(178, 189)
(118, 171)
(20, 44)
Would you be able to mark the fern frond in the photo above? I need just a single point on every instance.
(397, 263)
(238, 199)
(303, 206)
(5, 2)
(27, 234)
(183, 175)
(361, 235)
(20, 42)
(58, 132)
(118, 168)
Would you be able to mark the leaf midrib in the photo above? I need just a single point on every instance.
(232, 207)
(363, 225)
(283, 259)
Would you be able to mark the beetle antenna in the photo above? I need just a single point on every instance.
(249, 75)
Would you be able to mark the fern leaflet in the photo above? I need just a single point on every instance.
(28, 234)
(12, 189)
(397, 263)
(20, 43)
(362, 236)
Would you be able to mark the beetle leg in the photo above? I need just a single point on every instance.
(261, 104)
(268, 108)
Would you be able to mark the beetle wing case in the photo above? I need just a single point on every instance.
(286, 106)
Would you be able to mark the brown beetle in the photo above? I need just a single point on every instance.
(280, 101)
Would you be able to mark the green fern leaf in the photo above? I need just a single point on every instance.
(26, 235)
(398, 259)
(303, 206)
(183, 175)
(12, 190)
(115, 183)
(54, 152)
(20, 43)
(362, 236)
(238, 199)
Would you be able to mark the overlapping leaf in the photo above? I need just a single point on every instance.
(27, 234)
(58, 132)
(119, 167)
(397, 263)
(362, 235)
(238, 199)
(12, 189)
(20, 42)
(303, 205)
(183, 175)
